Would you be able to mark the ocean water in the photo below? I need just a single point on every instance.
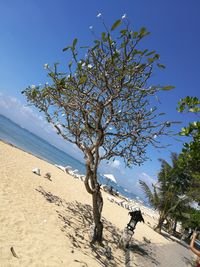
(29, 142)
(23, 139)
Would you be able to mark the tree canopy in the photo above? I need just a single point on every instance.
(104, 103)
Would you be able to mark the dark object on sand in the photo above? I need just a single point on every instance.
(13, 252)
(136, 216)
(111, 190)
(48, 176)
(146, 240)
(36, 171)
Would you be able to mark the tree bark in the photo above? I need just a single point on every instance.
(169, 225)
(175, 225)
(93, 187)
(159, 225)
(97, 202)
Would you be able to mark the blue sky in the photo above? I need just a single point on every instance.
(34, 32)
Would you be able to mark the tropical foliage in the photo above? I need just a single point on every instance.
(178, 185)
(190, 155)
(191, 218)
(167, 195)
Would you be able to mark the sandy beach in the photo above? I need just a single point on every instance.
(46, 222)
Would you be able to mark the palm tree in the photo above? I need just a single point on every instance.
(165, 195)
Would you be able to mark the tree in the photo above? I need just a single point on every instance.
(193, 218)
(190, 155)
(179, 184)
(168, 195)
(104, 105)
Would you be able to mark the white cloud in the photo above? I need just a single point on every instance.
(130, 180)
(116, 164)
(116, 167)
(147, 178)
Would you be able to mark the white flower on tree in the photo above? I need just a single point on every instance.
(46, 65)
(124, 16)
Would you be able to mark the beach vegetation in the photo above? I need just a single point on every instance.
(190, 155)
(179, 185)
(104, 102)
(168, 194)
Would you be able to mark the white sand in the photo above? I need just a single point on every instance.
(47, 222)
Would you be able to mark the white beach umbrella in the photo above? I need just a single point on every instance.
(110, 177)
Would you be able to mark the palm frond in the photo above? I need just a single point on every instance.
(174, 158)
(156, 195)
(147, 192)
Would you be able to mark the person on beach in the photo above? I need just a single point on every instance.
(111, 190)
(194, 250)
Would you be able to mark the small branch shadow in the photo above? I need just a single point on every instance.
(50, 197)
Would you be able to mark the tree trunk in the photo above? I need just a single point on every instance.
(97, 202)
(159, 225)
(175, 225)
(93, 187)
(170, 226)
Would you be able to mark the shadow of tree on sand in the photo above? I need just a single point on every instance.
(144, 251)
(77, 222)
(77, 225)
(190, 262)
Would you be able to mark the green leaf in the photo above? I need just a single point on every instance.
(116, 24)
(103, 36)
(137, 52)
(145, 51)
(157, 56)
(70, 64)
(161, 66)
(168, 87)
(51, 74)
(97, 42)
(75, 42)
(123, 32)
(151, 60)
(143, 32)
(34, 93)
(135, 34)
(83, 79)
(85, 46)
(195, 109)
(66, 48)
(110, 41)
(150, 53)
